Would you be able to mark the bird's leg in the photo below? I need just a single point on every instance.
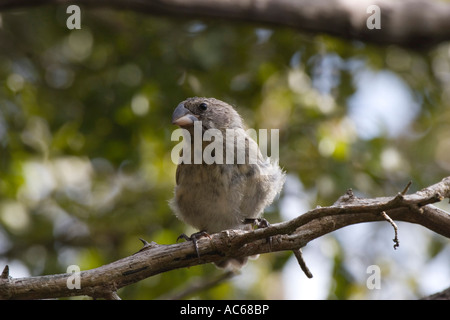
(260, 223)
(194, 237)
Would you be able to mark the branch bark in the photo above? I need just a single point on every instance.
(290, 235)
(443, 295)
(409, 23)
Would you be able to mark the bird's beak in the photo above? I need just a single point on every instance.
(182, 117)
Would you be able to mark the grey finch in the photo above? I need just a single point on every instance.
(213, 196)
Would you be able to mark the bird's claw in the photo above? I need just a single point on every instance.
(194, 237)
(257, 222)
(260, 223)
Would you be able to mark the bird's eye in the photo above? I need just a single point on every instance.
(203, 106)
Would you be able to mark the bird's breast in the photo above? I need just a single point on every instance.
(208, 197)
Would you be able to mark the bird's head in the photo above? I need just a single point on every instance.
(213, 113)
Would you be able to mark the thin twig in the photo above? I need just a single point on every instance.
(405, 190)
(112, 296)
(388, 219)
(5, 273)
(299, 255)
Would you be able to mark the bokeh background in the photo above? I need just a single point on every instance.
(85, 127)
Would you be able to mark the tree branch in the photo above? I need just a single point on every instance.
(290, 235)
(443, 295)
(410, 23)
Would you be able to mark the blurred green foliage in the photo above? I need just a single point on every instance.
(85, 167)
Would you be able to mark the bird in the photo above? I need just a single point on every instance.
(212, 197)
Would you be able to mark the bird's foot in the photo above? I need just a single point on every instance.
(260, 223)
(257, 222)
(194, 237)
